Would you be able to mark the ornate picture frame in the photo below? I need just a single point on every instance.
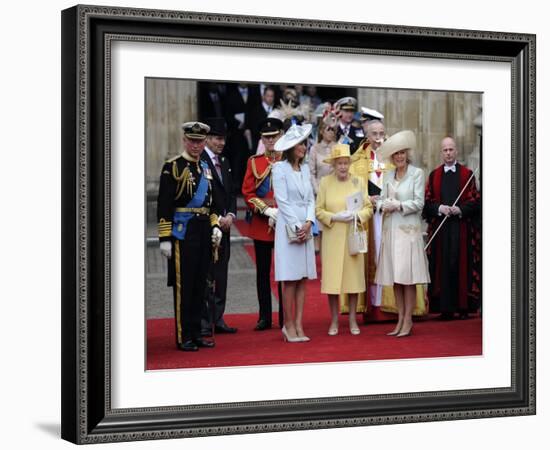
(88, 33)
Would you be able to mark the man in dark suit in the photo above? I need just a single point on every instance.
(346, 132)
(238, 101)
(224, 203)
(259, 111)
(211, 100)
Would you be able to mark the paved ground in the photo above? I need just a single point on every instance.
(241, 290)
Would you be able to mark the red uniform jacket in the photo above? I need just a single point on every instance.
(258, 194)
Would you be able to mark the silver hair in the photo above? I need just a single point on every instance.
(373, 122)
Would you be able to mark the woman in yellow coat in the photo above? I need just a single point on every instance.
(342, 272)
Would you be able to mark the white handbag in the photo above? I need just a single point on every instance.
(357, 238)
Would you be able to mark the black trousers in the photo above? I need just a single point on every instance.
(191, 259)
(450, 248)
(215, 299)
(263, 251)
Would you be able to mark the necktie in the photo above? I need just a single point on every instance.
(218, 166)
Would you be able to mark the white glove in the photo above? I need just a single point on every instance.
(390, 205)
(271, 212)
(216, 236)
(166, 249)
(444, 209)
(271, 222)
(343, 216)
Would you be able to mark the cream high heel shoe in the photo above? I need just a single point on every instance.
(287, 338)
(354, 329)
(303, 338)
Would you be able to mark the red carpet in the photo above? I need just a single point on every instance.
(430, 339)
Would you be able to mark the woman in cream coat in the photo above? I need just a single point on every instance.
(294, 261)
(342, 272)
(402, 261)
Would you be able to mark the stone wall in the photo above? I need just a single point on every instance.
(169, 103)
(432, 115)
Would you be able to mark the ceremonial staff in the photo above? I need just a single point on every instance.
(454, 204)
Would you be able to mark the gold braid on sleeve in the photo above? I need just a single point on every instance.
(259, 205)
(164, 228)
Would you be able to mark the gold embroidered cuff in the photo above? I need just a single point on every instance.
(214, 221)
(165, 228)
(259, 205)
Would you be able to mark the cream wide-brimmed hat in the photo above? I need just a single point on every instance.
(338, 151)
(294, 135)
(402, 140)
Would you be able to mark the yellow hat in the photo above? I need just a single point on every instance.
(338, 151)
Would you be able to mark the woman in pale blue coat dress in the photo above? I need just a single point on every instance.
(294, 261)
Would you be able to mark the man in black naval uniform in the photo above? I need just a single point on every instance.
(224, 202)
(189, 233)
(345, 131)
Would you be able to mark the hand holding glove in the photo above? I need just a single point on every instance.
(166, 249)
(216, 236)
(343, 216)
(271, 212)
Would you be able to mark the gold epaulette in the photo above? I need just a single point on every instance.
(165, 228)
(173, 158)
(259, 178)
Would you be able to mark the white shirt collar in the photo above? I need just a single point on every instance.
(210, 153)
(452, 167)
(267, 108)
(345, 127)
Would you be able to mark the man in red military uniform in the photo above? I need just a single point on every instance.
(258, 193)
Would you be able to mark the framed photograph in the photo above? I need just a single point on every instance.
(131, 77)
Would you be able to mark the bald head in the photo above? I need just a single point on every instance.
(375, 133)
(448, 151)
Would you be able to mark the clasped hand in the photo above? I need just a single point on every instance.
(390, 205)
(304, 232)
(450, 210)
(343, 216)
(226, 222)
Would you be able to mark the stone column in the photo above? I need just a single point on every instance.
(168, 104)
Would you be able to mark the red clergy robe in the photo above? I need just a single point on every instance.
(469, 236)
